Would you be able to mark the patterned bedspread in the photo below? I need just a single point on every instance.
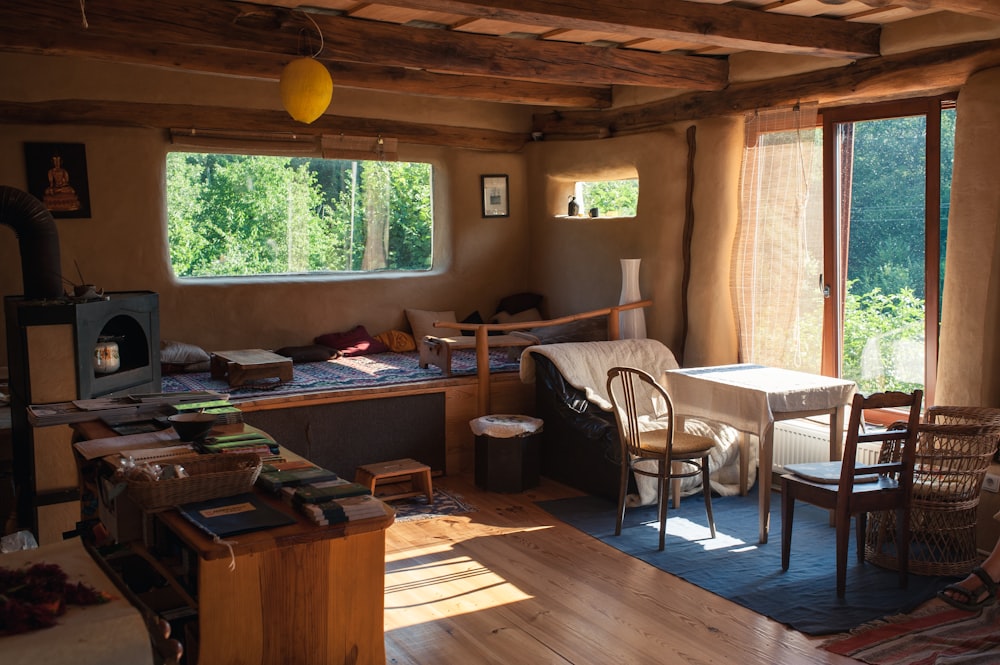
(383, 369)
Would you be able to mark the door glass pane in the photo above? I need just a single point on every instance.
(883, 329)
(947, 162)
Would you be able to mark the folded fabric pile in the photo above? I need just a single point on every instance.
(333, 501)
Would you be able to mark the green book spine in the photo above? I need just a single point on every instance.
(323, 492)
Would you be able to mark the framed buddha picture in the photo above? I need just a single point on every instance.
(57, 176)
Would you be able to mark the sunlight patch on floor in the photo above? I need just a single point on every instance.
(455, 585)
(700, 534)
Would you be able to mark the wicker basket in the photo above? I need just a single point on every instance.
(953, 454)
(210, 476)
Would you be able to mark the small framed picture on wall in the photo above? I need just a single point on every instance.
(495, 196)
(57, 176)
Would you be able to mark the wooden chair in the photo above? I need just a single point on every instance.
(849, 489)
(639, 402)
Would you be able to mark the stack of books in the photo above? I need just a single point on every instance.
(333, 501)
(247, 442)
(274, 479)
(226, 415)
(224, 412)
(360, 507)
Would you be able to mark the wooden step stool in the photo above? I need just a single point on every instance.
(420, 477)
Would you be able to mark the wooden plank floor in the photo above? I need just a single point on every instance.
(510, 584)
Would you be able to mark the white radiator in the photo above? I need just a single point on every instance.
(804, 440)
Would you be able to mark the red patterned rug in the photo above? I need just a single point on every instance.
(933, 634)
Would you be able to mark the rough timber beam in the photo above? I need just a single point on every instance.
(928, 72)
(263, 122)
(982, 8)
(691, 22)
(268, 66)
(249, 27)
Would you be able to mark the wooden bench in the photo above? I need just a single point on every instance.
(420, 477)
(239, 367)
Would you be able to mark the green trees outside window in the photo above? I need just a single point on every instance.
(243, 215)
(612, 198)
(885, 301)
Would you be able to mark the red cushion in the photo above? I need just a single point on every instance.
(354, 342)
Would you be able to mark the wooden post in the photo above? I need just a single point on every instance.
(483, 369)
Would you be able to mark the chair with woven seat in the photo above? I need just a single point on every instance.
(644, 414)
(850, 489)
(953, 453)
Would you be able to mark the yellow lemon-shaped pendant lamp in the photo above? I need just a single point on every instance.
(306, 89)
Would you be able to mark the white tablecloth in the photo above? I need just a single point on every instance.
(747, 397)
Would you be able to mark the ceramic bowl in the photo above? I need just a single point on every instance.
(191, 426)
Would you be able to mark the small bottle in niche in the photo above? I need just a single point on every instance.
(574, 208)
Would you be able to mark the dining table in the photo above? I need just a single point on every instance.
(752, 398)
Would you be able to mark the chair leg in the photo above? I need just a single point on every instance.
(706, 489)
(663, 506)
(787, 513)
(903, 545)
(843, 540)
(675, 484)
(622, 489)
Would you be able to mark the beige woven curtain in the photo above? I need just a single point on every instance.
(778, 253)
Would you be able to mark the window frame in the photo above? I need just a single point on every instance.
(833, 332)
(302, 150)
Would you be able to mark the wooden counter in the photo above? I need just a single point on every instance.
(299, 593)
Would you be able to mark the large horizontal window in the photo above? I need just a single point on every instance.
(243, 215)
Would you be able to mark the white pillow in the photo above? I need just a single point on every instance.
(422, 324)
(179, 353)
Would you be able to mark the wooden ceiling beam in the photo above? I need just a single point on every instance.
(249, 27)
(982, 8)
(166, 116)
(929, 72)
(268, 66)
(690, 22)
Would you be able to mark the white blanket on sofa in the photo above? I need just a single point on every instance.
(585, 366)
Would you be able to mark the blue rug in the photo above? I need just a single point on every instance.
(735, 566)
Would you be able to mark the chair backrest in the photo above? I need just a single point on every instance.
(635, 396)
(952, 460)
(963, 415)
(901, 468)
(953, 453)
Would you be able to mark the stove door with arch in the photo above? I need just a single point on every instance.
(52, 348)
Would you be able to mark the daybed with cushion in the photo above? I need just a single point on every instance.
(349, 387)
(580, 445)
(350, 410)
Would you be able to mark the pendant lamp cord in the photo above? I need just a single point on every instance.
(315, 25)
(83, 14)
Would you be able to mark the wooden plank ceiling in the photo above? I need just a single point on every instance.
(561, 54)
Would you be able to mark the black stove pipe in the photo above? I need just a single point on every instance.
(38, 239)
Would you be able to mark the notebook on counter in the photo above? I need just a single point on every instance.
(233, 515)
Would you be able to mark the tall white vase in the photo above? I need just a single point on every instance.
(632, 322)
